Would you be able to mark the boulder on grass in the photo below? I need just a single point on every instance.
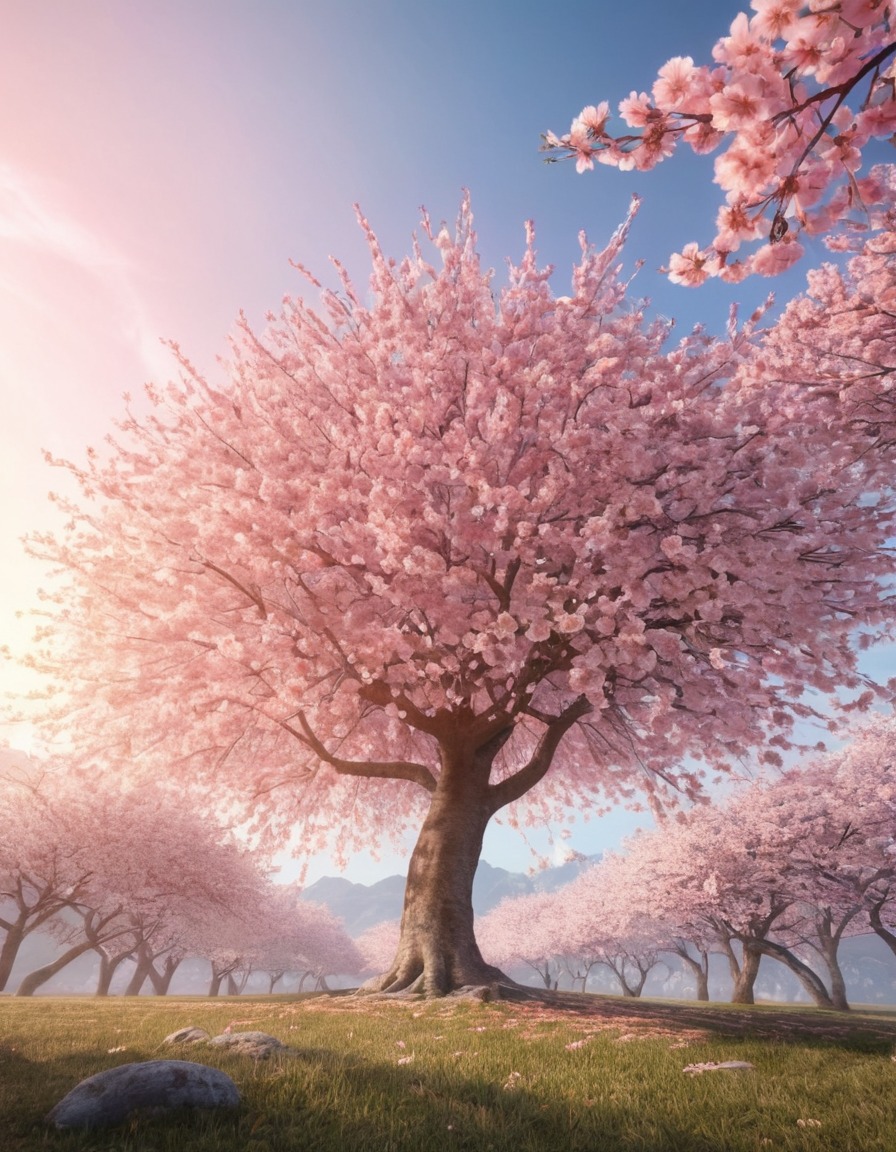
(257, 1044)
(154, 1087)
(187, 1036)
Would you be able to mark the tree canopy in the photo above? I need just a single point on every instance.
(435, 546)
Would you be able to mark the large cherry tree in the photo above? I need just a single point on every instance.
(795, 94)
(444, 547)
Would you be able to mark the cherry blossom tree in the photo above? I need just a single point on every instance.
(147, 863)
(852, 856)
(43, 866)
(304, 938)
(526, 930)
(795, 94)
(458, 548)
(784, 868)
(838, 339)
(605, 923)
(221, 881)
(378, 945)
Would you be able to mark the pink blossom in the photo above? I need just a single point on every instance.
(636, 110)
(595, 118)
(690, 266)
(793, 101)
(775, 19)
(740, 104)
(675, 83)
(773, 259)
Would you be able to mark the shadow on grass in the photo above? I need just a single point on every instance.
(866, 1031)
(317, 1100)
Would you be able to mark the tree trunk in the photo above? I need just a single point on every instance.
(107, 971)
(161, 981)
(437, 952)
(139, 977)
(15, 934)
(828, 948)
(699, 968)
(214, 988)
(877, 926)
(747, 972)
(810, 980)
(41, 975)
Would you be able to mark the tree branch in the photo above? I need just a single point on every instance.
(372, 769)
(517, 785)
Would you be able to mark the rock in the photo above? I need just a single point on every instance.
(153, 1087)
(188, 1036)
(257, 1044)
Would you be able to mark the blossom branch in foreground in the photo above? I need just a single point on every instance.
(797, 92)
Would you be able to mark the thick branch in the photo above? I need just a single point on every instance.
(372, 769)
(517, 785)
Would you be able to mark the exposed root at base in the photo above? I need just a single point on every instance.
(506, 989)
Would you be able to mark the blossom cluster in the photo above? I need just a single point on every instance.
(795, 93)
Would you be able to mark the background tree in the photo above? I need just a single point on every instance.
(526, 930)
(422, 555)
(796, 93)
(378, 945)
(605, 923)
(44, 865)
(147, 864)
(306, 939)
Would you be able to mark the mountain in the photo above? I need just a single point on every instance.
(360, 906)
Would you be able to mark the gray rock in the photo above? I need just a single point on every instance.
(187, 1036)
(153, 1087)
(257, 1044)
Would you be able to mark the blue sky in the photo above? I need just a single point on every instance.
(160, 164)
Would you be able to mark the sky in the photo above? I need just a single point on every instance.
(161, 164)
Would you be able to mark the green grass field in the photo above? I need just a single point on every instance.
(597, 1073)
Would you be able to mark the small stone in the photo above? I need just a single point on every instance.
(257, 1044)
(188, 1036)
(154, 1087)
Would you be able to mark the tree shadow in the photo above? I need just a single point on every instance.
(864, 1031)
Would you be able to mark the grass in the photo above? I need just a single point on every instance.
(451, 1076)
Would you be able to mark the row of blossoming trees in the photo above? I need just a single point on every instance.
(785, 868)
(131, 874)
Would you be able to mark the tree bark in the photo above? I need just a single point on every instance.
(139, 977)
(108, 967)
(15, 934)
(40, 976)
(161, 981)
(699, 968)
(747, 972)
(810, 980)
(828, 947)
(877, 925)
(437, 951)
